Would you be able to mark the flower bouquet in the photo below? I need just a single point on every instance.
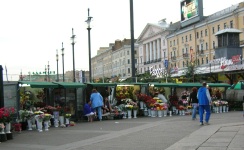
(128, 107)
(26, 115)
(1, 126)
(47, 117)
(6, 114)
(40, 117)
(135, 107)
(61, 110)
(68, 116)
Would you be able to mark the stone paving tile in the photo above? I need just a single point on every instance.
(238, 141)
(215, 144)
(231, 129)
(212, 148)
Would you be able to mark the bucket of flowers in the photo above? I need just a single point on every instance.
(46, 120)
(129, 108)
(67, 117)
(39, 116)
(47, 117)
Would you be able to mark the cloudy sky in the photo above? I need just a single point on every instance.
(32, 30)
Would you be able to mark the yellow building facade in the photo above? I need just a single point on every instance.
(196, 43)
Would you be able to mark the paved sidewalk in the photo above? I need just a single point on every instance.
(213, 137)
(226, 132)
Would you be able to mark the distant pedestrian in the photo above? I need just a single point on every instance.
(97, 102)
(204, 101)
(194, 102)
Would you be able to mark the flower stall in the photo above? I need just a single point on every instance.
(6, 119)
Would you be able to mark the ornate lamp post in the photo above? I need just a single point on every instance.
(89, 42)
(63, 59)
(57, 66)
(73, 51)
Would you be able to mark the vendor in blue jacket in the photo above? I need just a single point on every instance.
(204, 101)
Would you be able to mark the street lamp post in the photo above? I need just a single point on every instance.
(57, 66)
(132, 42)
(48, 68)
(73, 51)
(89, 42)
(63, 59)
(45, 73)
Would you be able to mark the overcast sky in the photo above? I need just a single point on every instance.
(32, 30)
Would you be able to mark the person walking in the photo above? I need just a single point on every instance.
(204, 101)
(97, 103)
(194, 102)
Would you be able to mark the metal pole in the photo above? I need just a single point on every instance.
(48, 67)
(89, 54)
(73, 51)
(57, 66)
(132, 42)
(1, 88)
(63, 59)
(89, 43)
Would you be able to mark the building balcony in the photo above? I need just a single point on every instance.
(200, 52)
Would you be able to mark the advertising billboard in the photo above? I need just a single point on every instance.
(191, 11)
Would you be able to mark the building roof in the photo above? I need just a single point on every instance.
(227, 30)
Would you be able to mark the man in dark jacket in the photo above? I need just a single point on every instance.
(204, 101)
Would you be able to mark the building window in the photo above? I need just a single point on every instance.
(190, 37)
(170, 43)
(135, 52)
(225, 26)
(164, 54)
(174, 43)
(128, 61)
(182, 50)
(197, 35)
(198, 62)
(183, 64)
(213, 44)
(206, 45)
(206, 32)
(231, 24)
(197, 47)
(201, 46)
(182, 39)
(163, 42)
(171, 54)
(201, 33)
(206, 60)
(187, 63)
(213, 30)
(128, 52)
(202, 61)
(186, 38)
(218, 27)
(128, 70)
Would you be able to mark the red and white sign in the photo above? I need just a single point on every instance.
(236, 58)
